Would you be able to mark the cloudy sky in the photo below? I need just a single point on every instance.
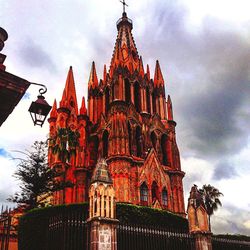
(204, 51)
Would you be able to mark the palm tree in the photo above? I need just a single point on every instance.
(211, 199)
(64, 145)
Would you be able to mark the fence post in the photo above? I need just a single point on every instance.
(103, 224)
(198, 221)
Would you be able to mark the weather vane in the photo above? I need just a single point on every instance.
(124, 4)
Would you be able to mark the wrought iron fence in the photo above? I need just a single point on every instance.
(220, 243)
(68, 232)
(137, 237)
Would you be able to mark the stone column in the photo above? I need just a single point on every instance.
(103, 224)
(198, 220)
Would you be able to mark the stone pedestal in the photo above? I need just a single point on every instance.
(102, 234)
(202, 240)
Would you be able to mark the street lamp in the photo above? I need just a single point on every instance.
(40, 108)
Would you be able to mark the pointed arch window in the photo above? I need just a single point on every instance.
(138, 137)
(148, 100)
(107, 96)
(153, 139)
(105, 143)
(93, 150)
(129, 138)
(127, 91)
(144, 194)
(155, 192)
(154, 102)
(164, 197)
(164, 149)
(137, 97)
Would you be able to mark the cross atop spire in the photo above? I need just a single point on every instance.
(124, 5)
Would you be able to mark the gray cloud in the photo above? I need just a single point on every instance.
(232, 224)
(33, 55)
(212, 84)
(224, 170)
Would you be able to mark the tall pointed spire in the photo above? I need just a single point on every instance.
(93, 80)
(69, 99)
(105, 74)
(141, 69)
(125, 51)
(158, 78)
(53, 112)
(148, 72)
(83, 110)
(170, 109)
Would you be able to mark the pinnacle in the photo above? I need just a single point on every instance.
(69, 99)
(158, 78)
(53, 112)
(93, 80)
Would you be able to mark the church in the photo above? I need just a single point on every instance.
(128, 121)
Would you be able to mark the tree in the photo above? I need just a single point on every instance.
(64, 144)
(37, 178)
(211, 199)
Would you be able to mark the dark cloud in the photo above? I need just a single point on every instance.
(33, 55)
(224, 170)
(209, 75)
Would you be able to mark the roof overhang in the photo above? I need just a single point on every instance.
(12, 89)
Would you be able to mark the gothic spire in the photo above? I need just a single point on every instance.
(69, 99)
(83, 110)
(93, 80)
(125, 51)
(53, 112)
(104, 74)
(148, 72)
(170, 109)
(158, 78)
(141, 69)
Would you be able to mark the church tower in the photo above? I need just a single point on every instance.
(129, 122)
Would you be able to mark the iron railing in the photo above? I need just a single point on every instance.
(229, 244)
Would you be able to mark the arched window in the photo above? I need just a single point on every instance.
(154, 102)
(105, 143)
(129, 138)
(127, 91)
(148, 100)
(155, 192)
(138, 138)
(144, 194)
(107, 96)
(164, 149)
(137, 97)
(153, 139)
(164, 197)
(93, 150)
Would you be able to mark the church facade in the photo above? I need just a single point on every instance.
(128, 121)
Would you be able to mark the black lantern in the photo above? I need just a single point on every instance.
(40, 108)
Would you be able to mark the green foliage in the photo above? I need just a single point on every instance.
(64, 143)
(233, 237)
(37, 178)
(131, 214)
(211, 196)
